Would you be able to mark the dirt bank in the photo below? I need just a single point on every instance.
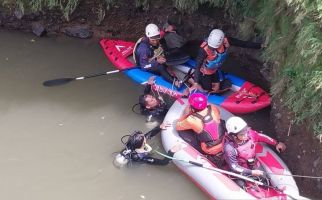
(127, 22)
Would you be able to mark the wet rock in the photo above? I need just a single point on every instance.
(78, 31)
(38, 29)
(18, 13)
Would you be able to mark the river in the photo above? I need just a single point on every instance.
(59, 142)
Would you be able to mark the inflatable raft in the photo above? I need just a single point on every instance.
(218, 185)
(244, 97)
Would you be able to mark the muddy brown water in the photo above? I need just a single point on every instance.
(57, 143)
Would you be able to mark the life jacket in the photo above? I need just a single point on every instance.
(246, 152)
(211, 137)
(214, 59)
(156, 51)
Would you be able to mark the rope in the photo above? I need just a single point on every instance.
(212, 168)
(295, 175)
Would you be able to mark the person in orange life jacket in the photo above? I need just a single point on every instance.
(212, 54)
(152, 105)
(239, 147)
(148, 54)
(138, 150)
(205, 121)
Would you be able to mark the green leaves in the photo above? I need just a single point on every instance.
(66, 6)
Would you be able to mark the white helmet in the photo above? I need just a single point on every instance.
(235, 124)
(216, 38)
(152, 30)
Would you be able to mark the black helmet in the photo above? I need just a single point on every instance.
(135, 140)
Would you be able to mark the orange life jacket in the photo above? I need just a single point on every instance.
(214, 58)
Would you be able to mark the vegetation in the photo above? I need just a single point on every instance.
(291, 27)
(67, 7)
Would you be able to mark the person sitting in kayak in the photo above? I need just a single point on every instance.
(212, 54)
(205, 121)
(151, 104)
(149, 55)
(239, 147)
(138, 150)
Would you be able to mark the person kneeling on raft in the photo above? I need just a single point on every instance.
(205, 122)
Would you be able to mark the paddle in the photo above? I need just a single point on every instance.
(62, 81)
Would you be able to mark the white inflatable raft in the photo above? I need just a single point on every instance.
(220, 186)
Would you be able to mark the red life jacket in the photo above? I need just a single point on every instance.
(246, 151)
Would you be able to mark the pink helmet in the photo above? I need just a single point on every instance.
(198, 101)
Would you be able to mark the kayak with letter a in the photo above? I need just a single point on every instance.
(244, 97)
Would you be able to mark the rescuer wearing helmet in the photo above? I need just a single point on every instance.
(240, 144)
(205, 121)
(212, 54)
(149, 55)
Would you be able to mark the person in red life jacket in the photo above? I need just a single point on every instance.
(152, 104)
(239, 147)
(149, 54)
(138, 150)
(205, 121)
